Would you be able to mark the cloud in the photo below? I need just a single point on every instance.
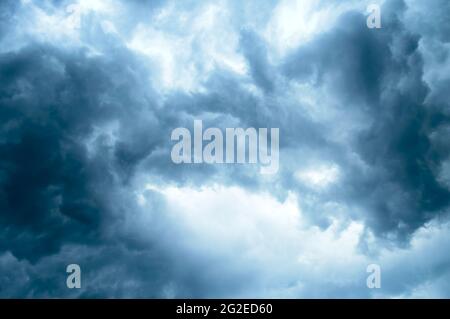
(380, 74)
(85, 171)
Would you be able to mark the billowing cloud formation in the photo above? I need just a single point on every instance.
(91, 90)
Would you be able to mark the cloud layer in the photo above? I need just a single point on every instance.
(91, 90)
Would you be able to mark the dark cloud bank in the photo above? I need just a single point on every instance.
(66, 190)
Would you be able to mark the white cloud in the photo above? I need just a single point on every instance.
(255, 233)
(296, 22)
(320, 176)
(187, 46)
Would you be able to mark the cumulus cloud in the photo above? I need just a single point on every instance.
(90, 92)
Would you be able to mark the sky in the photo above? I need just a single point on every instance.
(90, 92)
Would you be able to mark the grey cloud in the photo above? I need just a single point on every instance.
(79, 132)
(380, 73)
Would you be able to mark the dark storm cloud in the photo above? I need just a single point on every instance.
(55, 191)
(65, 176)
(59, 191)
(78, 129)
(431, 19)
(350, 57)
(380, 72)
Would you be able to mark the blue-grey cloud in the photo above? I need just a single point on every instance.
(85, 171)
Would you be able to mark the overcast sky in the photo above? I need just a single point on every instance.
(90, 92)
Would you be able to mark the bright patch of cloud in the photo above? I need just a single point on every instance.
(296, 22)
(190, 49)
(319, 177)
